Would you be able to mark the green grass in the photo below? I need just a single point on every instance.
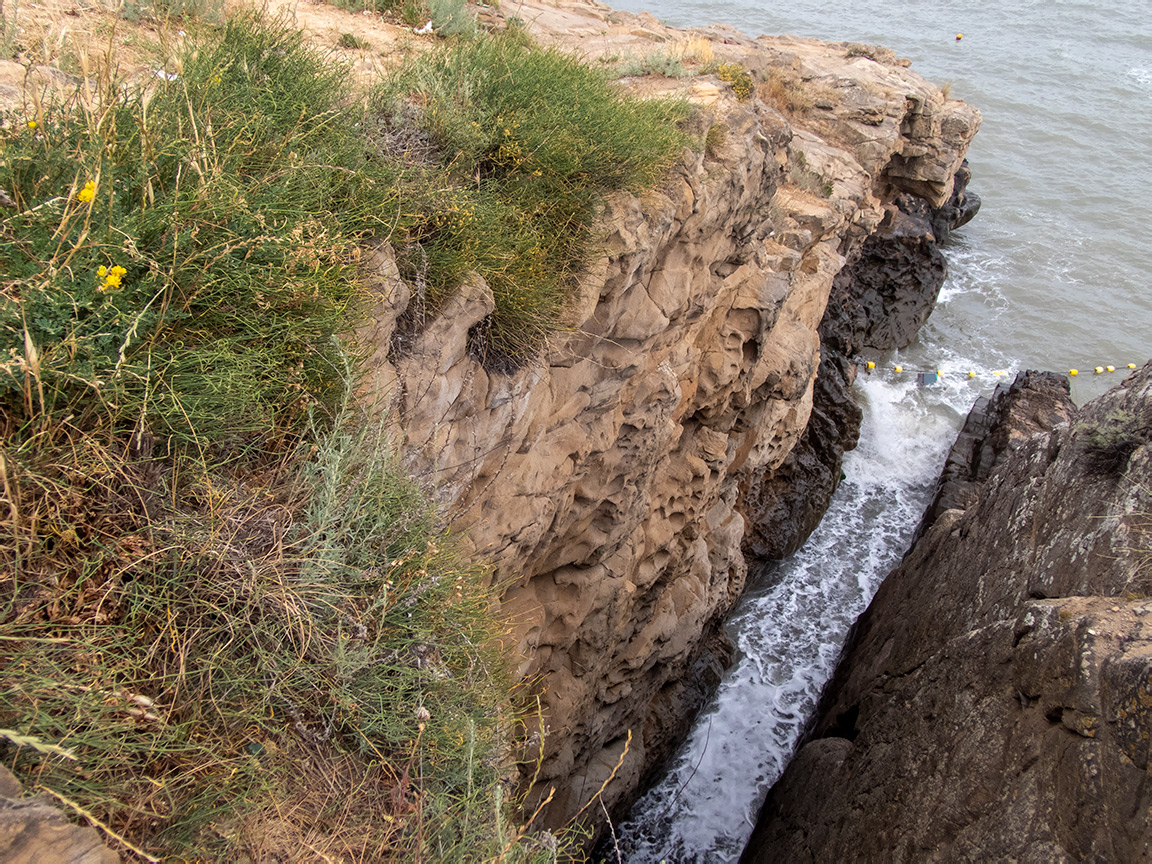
(231, 197)
(218, 589)
(218, 653)
(532, 141)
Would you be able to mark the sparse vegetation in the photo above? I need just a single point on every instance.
(448, 17)
(659, 62)
(786, 90)
(352, 42)
(169, 10)
(218, 590)
(452, 18)
(715, 139)
(693, 50)
(679, 59)
(738, 77)
(859, 49)
(803, 176)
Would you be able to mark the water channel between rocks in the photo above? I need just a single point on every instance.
(1052, 274)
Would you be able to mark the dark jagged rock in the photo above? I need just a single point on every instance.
(790, 501)
(879, 301)
(1035, 402)
(995, 700)
(960, 208)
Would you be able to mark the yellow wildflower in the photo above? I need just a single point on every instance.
(111, 278)
(88, 192)
(32, 124)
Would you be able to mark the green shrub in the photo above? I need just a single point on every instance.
(200, 649)
(657, 62)
(452, 18)
(529, 141)
(352, 42)
(218, 589)
(230, 197)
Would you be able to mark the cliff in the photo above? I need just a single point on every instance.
(993, 701)
(616, 478)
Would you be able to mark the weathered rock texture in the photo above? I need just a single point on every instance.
(1035, 402)
(605, 478)
(33, 831)
(879, 300)
(995, 700)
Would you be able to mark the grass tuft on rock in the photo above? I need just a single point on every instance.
(1108, 446)
(530, 141)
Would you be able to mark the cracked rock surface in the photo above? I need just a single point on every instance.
(995, 700)
(33, 831)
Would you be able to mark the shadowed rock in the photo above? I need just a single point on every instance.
(32, 831)
(995, 700)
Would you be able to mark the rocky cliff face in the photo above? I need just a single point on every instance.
(607, 478)
(995, 700)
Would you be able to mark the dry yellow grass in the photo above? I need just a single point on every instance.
(695, 50)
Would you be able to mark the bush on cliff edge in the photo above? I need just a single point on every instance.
(528, 142)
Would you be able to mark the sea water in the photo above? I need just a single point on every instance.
(1053, 274)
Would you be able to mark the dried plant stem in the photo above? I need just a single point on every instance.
(604, 785)
(81, 811)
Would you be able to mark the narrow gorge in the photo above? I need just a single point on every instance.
(392, 587)
(695, 408)
(993, 702)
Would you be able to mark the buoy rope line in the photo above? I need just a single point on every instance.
(929, 376)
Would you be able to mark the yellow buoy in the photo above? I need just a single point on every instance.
(1073, 371)
(1131, 365)
(1110, 368)
(999, 374)
(871, 365)
(971, 374)
(897, 368)
(959, 36)
(1099, 370)
(939, 371)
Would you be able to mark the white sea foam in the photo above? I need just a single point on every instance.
(789, 633)
(1143, 77)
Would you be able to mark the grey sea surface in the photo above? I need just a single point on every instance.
(1053, 274)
